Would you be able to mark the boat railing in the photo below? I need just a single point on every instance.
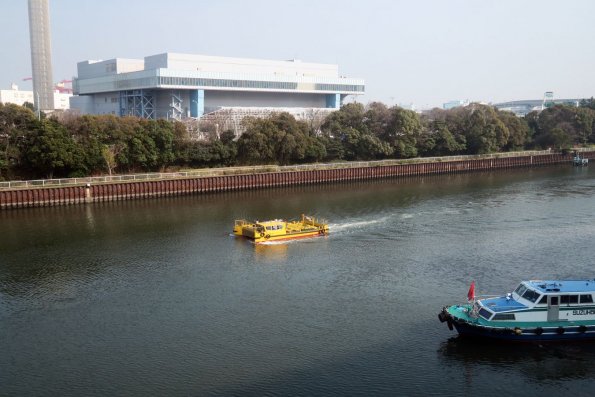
(310, 220)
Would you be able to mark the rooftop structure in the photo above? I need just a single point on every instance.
(179, 86)
(455, 104)
(522, 108)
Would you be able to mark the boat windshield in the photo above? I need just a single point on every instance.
(531, 295)
(485, 313)
(520, 290)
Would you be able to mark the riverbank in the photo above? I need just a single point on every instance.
(19, 194)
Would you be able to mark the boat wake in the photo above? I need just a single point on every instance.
(269, 243)
(343, 227)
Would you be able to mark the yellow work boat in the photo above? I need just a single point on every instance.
(279, 229)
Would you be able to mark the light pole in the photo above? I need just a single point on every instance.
(37, 108)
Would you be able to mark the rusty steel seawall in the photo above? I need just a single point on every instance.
(65, 195)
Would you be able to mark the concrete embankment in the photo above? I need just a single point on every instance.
(20, 194)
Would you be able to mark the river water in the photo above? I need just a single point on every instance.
(155, 297)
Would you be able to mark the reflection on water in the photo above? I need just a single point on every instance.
(273, 251)
(536, 362)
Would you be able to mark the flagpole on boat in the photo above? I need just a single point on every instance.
(471, 293)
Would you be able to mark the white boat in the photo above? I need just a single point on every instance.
(537, 310)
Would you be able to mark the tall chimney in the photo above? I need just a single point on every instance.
(41, 54)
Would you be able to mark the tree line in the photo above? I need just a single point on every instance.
(75, 146)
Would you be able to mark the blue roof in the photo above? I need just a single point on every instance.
(501, 304)
(550, 286)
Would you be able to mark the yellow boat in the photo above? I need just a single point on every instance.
(279, 229)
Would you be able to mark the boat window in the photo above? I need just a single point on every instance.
(586, 298)
(531, 295)
(543, 300)
(554, 301)
(568, 299)
(563, 299)
(520, 290)
(485, 313)
(503, 316)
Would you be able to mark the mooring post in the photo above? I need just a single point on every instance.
(88, 197)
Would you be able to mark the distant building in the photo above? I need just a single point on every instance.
(61, 101)
(522, 108)
(408, 106)
(455, 104)
(181, 86)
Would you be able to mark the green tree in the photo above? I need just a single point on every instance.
(278, 139)
(483, 130)
(15, 124)
(50, 151)
(557, 138)
(29, 106)
(162, 133)
(377, 119)
(576, 123)
(333, 147)
(519, 133)
(350, 115)
(588, 103)
(402, 132)
(255, 145)
(437, 140)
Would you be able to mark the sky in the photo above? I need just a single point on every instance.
(420, 52)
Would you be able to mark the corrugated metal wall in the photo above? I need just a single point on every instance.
(46, 196)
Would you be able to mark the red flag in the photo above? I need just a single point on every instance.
(471, 293)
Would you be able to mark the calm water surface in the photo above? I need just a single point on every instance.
(156, 298)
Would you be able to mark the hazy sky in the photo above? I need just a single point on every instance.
(418, 51)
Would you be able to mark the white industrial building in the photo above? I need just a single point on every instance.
(179, 86)
(18, 97)
(522, 108)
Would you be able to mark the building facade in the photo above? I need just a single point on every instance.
(179, 86)
(455, 104)
(522, 108)
(61, 101)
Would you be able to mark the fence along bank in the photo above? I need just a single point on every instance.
(21, 194)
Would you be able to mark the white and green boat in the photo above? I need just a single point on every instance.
(537, 310)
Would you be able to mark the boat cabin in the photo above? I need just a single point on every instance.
(539, 296)
(274, 227)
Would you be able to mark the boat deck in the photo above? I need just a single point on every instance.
(501, 304)
(459, 312)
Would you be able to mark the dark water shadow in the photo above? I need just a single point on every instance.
(474, 368)
(558, 361)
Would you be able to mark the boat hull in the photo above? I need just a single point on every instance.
(295, 236)
(536, 333)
